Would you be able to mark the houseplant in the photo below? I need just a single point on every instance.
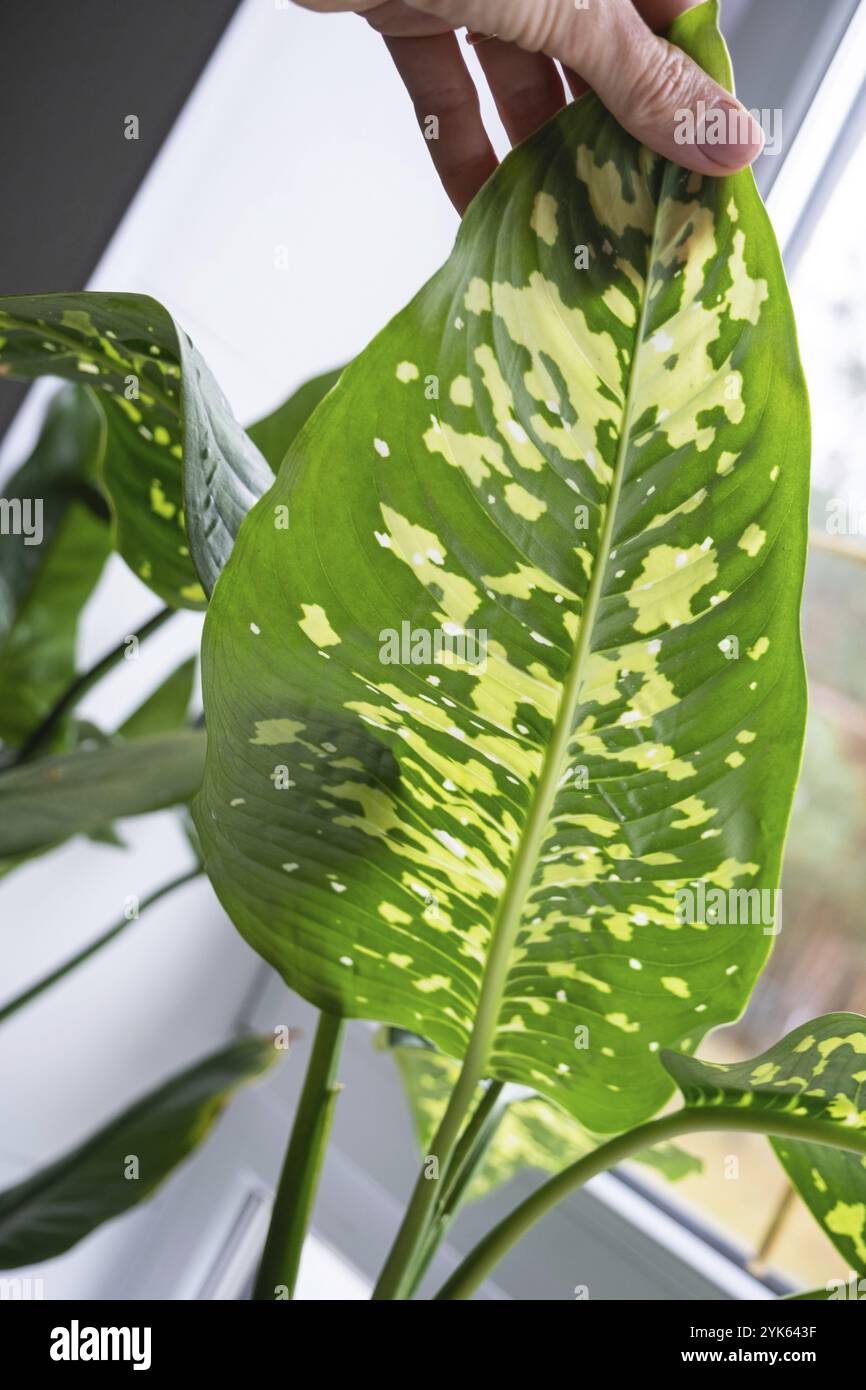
(549, 842)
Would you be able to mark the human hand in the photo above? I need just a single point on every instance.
(609, 45)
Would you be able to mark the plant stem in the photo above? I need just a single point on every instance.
(54, 975)
(394, 1279)
(305, 1154)
(472, 1147)
(496, 1244)
(80, 686)
(468, 1154)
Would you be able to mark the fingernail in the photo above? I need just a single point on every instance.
(728, 134)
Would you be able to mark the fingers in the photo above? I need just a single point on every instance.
(446, 105)
(649, 85)
(659, 14)
(653, 89)
(526, 87)
(656, 92)
(335, 6)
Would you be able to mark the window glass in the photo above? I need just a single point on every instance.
(819, 958)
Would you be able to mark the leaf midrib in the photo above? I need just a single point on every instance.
(518, 882)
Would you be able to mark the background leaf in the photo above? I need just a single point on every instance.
(45, 802)
(532, 1132)
(51, 1211)
(601, 474)
(166, 709)
(817, 1071)
(273, 434)
(180, 471)
(44, 586)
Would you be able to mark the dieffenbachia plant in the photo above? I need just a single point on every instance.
(502, 677)
(575, 451)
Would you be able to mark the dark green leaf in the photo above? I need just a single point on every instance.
(51, 1211)
(44, 585)
(43, 803)
(166, 708)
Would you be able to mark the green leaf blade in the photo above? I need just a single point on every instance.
(62, 1203)
(46, 578)
(817, 1072)
(597, 470)
(166, 709)
(43, 803)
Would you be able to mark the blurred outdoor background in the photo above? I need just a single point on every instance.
(819, 958)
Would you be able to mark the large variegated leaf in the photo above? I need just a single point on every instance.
(532, 1131)
(818, 1072)
(180, 472)
(53, 546)
(43, 803)
(526, 662)
(121, 1164)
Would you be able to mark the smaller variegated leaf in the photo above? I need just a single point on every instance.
(179, 470)
(532, 1133)
(818, 1072)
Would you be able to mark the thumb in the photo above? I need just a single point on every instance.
(657, 92)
